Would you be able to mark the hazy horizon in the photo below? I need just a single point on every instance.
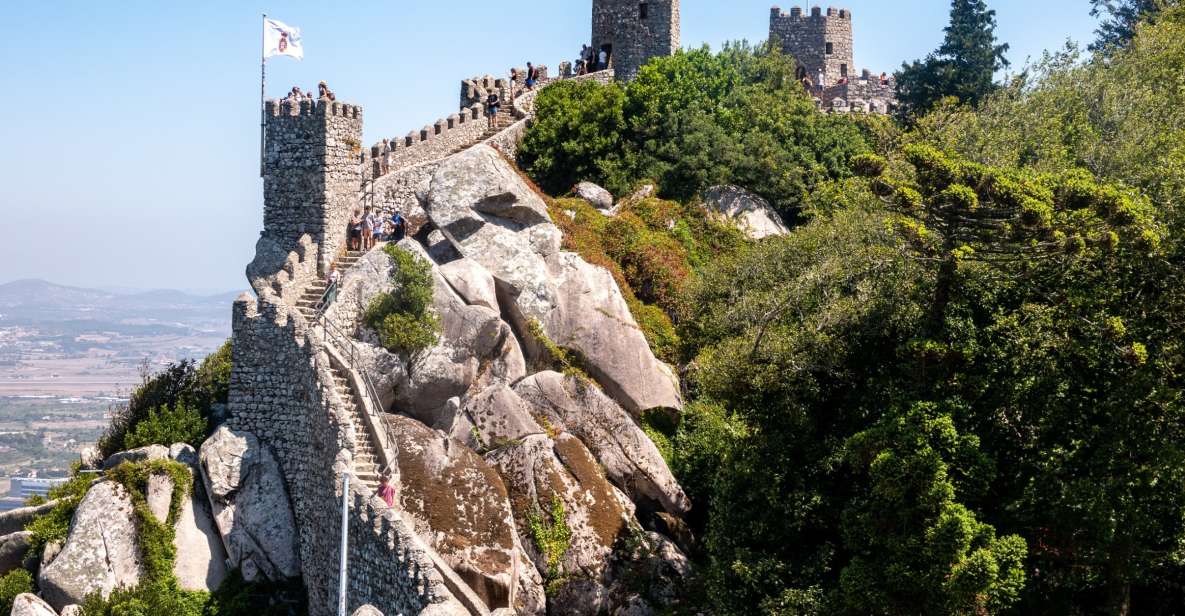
(137, 167)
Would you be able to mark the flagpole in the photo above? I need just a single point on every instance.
(262, 92)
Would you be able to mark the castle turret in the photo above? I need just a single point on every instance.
(821, 42)
(312, 173)
(632, 31)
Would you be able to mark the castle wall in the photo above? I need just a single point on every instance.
(805, 36)
(311, 173)
(281, 391)
(634, 40)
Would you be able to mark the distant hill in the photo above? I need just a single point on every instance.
(34, 300)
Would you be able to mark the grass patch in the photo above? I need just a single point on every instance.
(403, 318)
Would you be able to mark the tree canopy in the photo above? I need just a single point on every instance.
(963, 67)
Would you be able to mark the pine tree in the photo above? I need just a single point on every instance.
(1122, 17)
(963, 67)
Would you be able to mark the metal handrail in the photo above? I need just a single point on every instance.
(343, 342)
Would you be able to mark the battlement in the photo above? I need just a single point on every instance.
(312, 109)
(797, 14)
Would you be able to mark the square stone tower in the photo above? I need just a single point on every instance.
(820, 42)
(312, 174)
(633, 31)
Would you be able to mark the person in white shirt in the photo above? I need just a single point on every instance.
(368, 230)
(603, 60)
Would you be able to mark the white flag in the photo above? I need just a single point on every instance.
(280, 39)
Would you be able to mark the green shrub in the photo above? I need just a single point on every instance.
(403, 318)
(165, 426)
(16, 582)
(199, 386)
(552, 536)
(55, 525)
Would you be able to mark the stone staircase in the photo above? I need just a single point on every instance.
(307, 304)
(366, 462)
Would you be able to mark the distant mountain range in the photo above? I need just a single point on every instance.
(40, 301)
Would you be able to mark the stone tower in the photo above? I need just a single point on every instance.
(820, 42)
(633, 31)
(312, 174)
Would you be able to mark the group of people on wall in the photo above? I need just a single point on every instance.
(367, 229)
(323, 93)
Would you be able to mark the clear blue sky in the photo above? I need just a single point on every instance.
(129, 150)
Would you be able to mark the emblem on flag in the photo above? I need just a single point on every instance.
(280, 39)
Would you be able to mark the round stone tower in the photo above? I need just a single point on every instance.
(633, 31)
(821, 42)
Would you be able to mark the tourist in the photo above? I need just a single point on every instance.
(368, 229)
(820, 82)
(398, 227)
(493, 104)
(331, 281)
(532, 76)
(581, 68)
(324, 91)
(884, 79)
(385, 157)
(387, 491)
(603, 60)
(376, 228)
(807, 84)
(356, 231)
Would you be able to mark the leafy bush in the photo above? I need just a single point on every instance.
(690, 121)
(165, 426)
(198, 386)
(403, 318)
(16, 582)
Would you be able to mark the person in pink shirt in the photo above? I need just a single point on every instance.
(387, 491)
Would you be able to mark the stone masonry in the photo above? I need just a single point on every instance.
(311, 173)
(634, 31)
(822, 43)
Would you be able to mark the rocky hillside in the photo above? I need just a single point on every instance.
(521, 458)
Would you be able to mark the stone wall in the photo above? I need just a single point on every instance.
(388, 567)
(432, 142)
(808, 37)
(633, 38)
(275, 394)
(311, 173)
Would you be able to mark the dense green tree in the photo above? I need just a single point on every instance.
(964, 67)
(691, 121)
(1120, 18)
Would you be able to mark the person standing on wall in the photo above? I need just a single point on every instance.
(356, 231)
(603, 60)
(368, 230)
(398, 227)
(493, 103)
(532, 76)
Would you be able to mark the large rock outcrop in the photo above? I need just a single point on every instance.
(101, 552)
(201, 558)
(538, 469)
(752, 214)
(629, 457)
(250, 505)
(13, 549)
(491, 216)
(459, 506)
(26, 604)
